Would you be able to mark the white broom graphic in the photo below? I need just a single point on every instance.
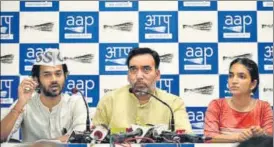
(121, 61)
(195, 60)
(75, 29)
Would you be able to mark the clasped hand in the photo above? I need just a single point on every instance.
(250, 132)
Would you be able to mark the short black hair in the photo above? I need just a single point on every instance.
(35, 72)
(252, 68)
(145, 50)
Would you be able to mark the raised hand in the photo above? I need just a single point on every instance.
(25, 90)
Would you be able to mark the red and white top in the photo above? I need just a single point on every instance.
(221, 119)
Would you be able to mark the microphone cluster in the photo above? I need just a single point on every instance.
(158, 134)
(100, 134)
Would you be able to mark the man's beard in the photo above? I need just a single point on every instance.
(51, 94)
(142, 91)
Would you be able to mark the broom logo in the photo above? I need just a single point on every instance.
(195, 60)
(160, 29)
(8, 59)
(47, 27)
(206, 90)
(120, 61)
(234, 28)
(247, 55)
(206, 26)
(166, 58)
(127, 26)
(3, 30)
(75, 29)
(267, 26)
(267, 89)
(87, 58)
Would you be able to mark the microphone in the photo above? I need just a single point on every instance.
(183, 138)
(99, 133)
(78, 136)
(119, 138)
(74, 91)
(172, 121)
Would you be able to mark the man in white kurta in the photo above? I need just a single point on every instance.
(37, 122)
(42, 110)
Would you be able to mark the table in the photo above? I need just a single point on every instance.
(132, 145)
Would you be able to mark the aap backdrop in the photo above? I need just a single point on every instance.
(196, 41)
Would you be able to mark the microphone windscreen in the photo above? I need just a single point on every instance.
(74, 90)
(130, 90)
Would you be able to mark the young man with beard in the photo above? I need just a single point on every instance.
(42, 110)
(121, 108)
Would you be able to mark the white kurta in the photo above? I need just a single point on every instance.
(37, 122)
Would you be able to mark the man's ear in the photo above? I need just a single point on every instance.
(158, 74)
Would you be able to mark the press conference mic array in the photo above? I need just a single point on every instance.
(172, 121)
(120, 138)
(101, 134)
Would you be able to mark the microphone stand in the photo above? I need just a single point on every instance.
(172, 121)
(78, 136)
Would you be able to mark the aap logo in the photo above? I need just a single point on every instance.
(9, 27)
(198, 58)
(169, 83)
(8, 88)
(237, 26)
(158, 27)
(265, 54)
(79, 27)
(113, 57)
(88, 85)
(196, 117)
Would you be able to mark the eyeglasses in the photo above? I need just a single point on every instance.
(144, 69)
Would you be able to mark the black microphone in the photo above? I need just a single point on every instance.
(184, 138)
(78, 136)
(119, 138)
(74, 91)
(172, 121)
